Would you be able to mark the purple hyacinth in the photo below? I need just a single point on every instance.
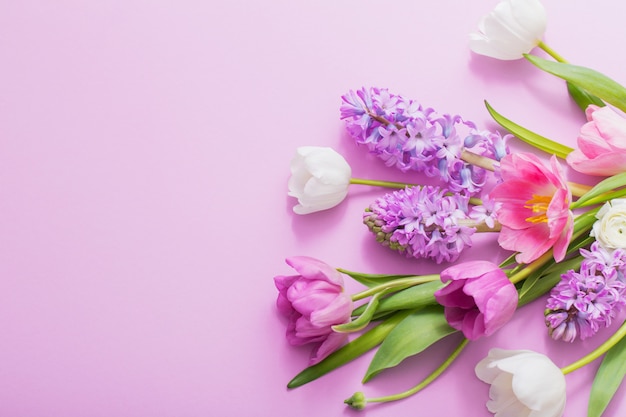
(412, 138)
(421, 222)
(583, 302)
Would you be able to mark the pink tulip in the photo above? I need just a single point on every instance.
(313, 301)
(601, 143)
(479, 299)
(534, 211)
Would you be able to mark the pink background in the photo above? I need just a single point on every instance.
(144, 156)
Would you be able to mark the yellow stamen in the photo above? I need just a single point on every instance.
(538, 204)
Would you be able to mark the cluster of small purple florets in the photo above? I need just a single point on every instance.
(583, 302)
(405, 135)
(422, 222)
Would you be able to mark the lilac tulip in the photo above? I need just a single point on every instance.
(479, 298)
(313, 302)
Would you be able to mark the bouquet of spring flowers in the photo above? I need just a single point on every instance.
(565, 239)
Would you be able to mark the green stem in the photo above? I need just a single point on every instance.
(551, 52)
(401, 283)
(430, 378)
(376, 183)
(599, 351)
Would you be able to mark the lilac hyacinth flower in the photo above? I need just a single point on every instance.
(413, 138)
(479, 298)
(583, 302)
(421, 222)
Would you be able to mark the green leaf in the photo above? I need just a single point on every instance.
(528, 136)
(594, 196)
(364, 318)
(349, 352)
(371, 280)
(586, 79)
(415, 333)
(410, 298)
(582, 98)
(608, 379)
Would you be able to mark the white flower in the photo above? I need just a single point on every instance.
(523, 383)
(610, 228)
(513, 28)
(319, 179)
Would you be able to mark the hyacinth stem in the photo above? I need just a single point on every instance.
(401, 283)
(478, 160)
(551, 52)
(430, 378)
(376, 183)
(599, 351)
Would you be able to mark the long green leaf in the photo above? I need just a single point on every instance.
(604, 186)
(586, 79)
(608, 379)
(349, 352)
(532, 138)
(371, 280)
(582, 98)
(414, 334)
(410, 298)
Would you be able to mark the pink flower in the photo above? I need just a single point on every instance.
(313, 301)
(534, 211)
(479, 299)
(601, 143)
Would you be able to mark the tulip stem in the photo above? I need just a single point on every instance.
(551, 52)
(599, 351)
(376, 183)
(430, 378)
(401, 283)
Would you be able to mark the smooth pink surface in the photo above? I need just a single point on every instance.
(144, 156)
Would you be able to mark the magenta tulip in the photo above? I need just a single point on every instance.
(479, 298)
(601, 143)
(313, 302)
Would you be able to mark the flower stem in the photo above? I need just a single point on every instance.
(478, 160)
(526, 270)
(376, 183)
(599, 351)
(430, 378)
(578, 189)
(401, 283)
(551, 52)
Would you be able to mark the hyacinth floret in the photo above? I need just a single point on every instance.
(421, 222)
(413, 138)
(583, 302)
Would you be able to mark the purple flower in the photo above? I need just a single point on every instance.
(583, 302)
(479, 299)
(421, 222)
(313, 301)
(412, 138)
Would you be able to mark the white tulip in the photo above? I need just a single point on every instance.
(513, 28)
(319, 179)
(610, 228)
(523, 383)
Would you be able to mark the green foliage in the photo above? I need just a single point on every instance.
(415, 333)
(608, 379)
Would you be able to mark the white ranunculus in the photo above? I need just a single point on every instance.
(319, 179)
(610, 228)
(523, 383)
(513, 28)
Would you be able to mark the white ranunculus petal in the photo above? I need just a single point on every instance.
(610, 228)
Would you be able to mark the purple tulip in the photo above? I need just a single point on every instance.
(479, 299)
(313, 302)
